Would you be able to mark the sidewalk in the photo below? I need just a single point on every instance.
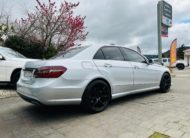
(181, 73)
(6, 91)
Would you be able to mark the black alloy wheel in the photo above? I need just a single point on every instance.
(180, 66)
(165, 82)
(97, 96)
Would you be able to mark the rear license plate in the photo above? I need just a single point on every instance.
(28, 74)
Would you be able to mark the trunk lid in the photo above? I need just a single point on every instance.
(35, 64)
(27, 75)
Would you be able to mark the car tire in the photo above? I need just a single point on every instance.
(15, 77)
(96, 96)
(165, 83)
(180, 66)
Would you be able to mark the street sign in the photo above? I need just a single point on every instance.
(166, 14)
(164, 31)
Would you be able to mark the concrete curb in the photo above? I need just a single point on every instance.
(7, 94)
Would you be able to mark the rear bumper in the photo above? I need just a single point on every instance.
(53, 93)
(31, 100)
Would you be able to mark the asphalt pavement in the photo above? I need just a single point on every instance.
(135, 116)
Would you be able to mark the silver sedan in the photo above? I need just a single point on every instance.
(91, 76)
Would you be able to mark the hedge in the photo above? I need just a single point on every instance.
(29, 48)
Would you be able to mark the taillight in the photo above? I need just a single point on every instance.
(49, 72)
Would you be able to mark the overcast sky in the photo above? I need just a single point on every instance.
(123, 22)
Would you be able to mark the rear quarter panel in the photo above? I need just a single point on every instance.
(83, 71)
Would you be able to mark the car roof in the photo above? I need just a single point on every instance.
(126, 46)
(133, 47)
(91, 50)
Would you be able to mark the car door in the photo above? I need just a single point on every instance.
(111, 65)
(145, 75)
(3, 72)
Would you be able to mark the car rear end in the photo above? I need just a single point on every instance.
(61, 80)
(52, 82)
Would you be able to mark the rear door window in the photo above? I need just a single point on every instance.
(99, 55)
(133, 56)
(112, 53)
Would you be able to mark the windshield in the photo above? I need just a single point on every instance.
(12, 54)
(69, 53)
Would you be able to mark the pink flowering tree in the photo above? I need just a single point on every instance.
(52, 25)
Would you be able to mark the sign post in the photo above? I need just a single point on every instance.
(164, 21)
(159, 18)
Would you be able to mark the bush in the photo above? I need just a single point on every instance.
(29, 48)
(50, 52)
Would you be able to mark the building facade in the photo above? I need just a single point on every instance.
(187, 56)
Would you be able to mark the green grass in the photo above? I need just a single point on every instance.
(158, 135)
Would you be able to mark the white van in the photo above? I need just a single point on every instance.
(180, 64)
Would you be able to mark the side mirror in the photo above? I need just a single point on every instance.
(1, 57)
(146, 62)
(150, 61)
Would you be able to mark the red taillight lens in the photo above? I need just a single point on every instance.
(49, 72)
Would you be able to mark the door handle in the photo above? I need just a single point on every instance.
(136, 67)
(107, 65)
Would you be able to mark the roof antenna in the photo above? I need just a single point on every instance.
(112, 44)
(138, 49)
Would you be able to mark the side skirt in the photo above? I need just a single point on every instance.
(118, 95)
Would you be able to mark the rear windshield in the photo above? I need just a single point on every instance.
(69, 53)
(12, 54)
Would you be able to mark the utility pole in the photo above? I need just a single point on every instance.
(159, 22)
